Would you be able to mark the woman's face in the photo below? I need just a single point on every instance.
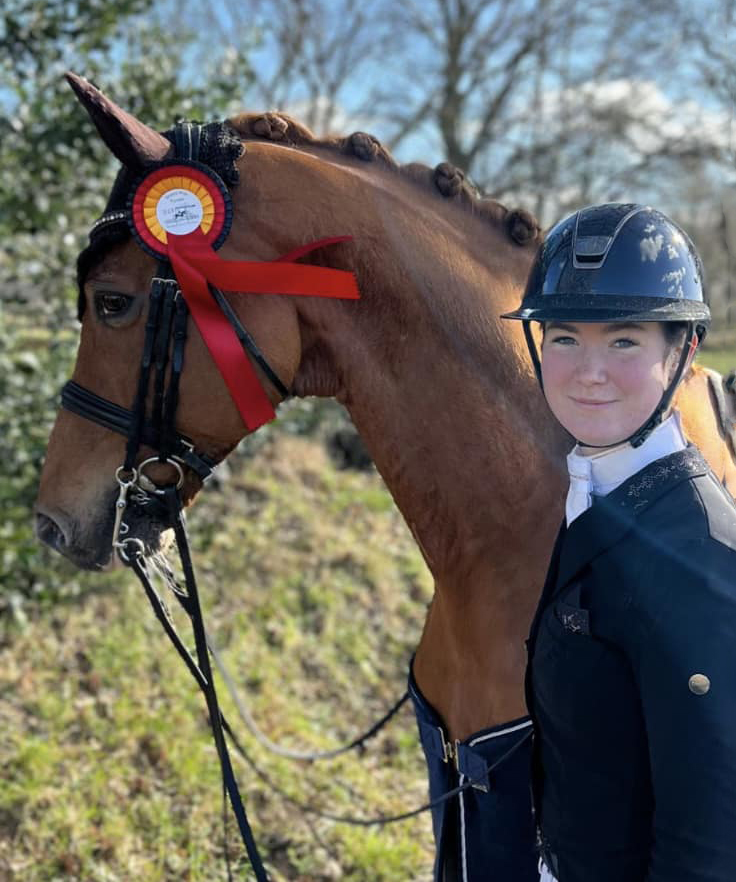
(603, 381)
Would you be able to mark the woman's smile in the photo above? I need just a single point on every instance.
(591, 402)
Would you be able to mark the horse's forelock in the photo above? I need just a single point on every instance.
(102, 240)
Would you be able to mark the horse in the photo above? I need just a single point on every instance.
(440, 390)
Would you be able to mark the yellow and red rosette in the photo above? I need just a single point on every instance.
(181, 212)
(179, 198)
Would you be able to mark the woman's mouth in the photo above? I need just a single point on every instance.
(591, 402)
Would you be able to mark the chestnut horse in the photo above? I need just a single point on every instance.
(441, 391)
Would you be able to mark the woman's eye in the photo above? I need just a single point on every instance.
(110, 304)
(624, 343)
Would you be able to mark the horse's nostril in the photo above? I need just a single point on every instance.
(50, 532)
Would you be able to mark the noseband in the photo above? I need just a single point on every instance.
(183, 286)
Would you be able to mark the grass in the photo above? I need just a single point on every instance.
(719, 351)
(316, 594)
(108, 768)
(721, 359)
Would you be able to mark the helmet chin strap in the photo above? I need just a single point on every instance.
(688, 352)
(637, 438)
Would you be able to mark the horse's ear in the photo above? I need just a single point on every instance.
(134, 143)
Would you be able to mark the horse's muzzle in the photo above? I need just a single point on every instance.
(89, 547)
(59, 533)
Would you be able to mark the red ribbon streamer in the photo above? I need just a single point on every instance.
(197, 266)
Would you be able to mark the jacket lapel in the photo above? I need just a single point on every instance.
(614, 515)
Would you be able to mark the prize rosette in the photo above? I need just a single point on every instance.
(178, 198)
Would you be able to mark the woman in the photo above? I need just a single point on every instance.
(631, 680)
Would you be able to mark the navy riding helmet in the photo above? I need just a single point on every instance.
(618, 262)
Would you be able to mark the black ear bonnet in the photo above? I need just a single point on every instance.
(219, 148)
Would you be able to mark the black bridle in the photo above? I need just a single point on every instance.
(162, 363)
(166, 329)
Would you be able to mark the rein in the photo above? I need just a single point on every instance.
(187, 282)
(162, 613)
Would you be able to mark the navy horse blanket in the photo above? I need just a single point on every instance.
(487, 832)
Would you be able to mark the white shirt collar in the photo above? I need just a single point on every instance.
(600, 473)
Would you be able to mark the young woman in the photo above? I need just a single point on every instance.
(631, 680)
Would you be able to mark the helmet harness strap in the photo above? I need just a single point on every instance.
(617, 262)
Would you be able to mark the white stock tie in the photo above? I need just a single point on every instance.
(579, 495)
(602, 471)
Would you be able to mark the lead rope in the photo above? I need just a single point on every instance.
(245, 715)
(166, 329)
(381, 820)
(357, 743)
(176, 514)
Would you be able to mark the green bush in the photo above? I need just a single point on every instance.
(55, 173)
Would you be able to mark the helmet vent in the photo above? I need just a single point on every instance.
(591, 249)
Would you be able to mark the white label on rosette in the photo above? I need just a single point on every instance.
(179, 211)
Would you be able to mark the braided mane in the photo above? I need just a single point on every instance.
(446, 179)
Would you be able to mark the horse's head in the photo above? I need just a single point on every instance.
(433, 277)
(76, 504)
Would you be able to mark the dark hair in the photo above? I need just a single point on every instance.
(674, 333)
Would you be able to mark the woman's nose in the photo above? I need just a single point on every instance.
(592, 368)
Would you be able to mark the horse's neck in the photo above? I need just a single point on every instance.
(467, 450)
(450, 412)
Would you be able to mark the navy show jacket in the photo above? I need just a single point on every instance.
(634, 760)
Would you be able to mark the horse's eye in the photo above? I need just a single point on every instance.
(111, 304)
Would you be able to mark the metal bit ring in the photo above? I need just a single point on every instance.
(138, 546)
(121, 471)
(145, 483)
